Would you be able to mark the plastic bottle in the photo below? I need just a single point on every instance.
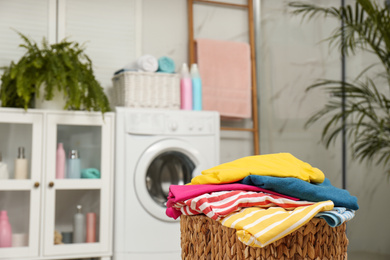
(4, 174)
(5, 230)
(91, 227)
(185, 88)
(196, 88)
(79, 226)
(73, 165)
(21, 165)
(60, 161)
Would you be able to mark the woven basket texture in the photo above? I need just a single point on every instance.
(205, 238)
(147, 90)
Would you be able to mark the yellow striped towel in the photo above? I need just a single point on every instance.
(259, 227)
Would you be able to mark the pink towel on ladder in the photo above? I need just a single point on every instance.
(225, 69)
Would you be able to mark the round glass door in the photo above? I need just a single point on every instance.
(168, 168)
(167, 162)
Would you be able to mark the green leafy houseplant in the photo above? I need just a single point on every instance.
(40, 71)
(366, 114)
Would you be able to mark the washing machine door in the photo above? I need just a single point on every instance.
(167, 162)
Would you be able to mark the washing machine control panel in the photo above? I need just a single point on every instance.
(172, 122)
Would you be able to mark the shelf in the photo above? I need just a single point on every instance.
(77, 184)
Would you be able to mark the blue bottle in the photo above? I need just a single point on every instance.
(73, 168)
(196, 88)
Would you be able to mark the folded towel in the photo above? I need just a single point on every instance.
(225, 67)
(147, 63)
(304, 190)
(90, 173)
(217, 205)
(337, 216)
(277, 165)
(259, 227)
(166, 64)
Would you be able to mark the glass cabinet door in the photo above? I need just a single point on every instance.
(78, 180)
(21, 147)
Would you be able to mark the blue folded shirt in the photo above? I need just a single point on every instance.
(304, 190)
(337, 216)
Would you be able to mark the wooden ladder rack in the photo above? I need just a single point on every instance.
(191, 41)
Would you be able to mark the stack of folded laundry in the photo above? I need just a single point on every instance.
(149, 63)
(263, 197)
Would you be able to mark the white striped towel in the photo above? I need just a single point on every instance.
(217, 205)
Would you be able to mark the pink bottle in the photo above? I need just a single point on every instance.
(91, 227)
(60, 162)
(5, 230)
(185, 89)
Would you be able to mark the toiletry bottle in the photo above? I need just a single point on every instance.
(60, 161)
(185, 89)
(5, 230)
(21, 165)
(4, 174)
(196, 88)
(79, 226)
(91, 227)
(73, 165)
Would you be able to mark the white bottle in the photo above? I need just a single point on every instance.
(21, 165)
(4, 174)
(79, 226)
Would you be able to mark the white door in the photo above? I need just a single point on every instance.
(20, 198)
(91, 136)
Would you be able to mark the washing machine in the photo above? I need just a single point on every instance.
(154, 149)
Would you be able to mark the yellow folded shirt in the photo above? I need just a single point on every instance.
(275, 165)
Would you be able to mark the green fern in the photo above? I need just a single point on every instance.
(39, 71)
(367, 106)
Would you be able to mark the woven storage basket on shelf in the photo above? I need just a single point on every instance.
(147, 90)
(205, 238)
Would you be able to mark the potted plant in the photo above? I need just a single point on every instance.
(61, 68)
(365, 99)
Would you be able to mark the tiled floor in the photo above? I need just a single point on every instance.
(366, 256)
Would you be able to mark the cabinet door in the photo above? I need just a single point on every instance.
(89, 184)
(20, 198)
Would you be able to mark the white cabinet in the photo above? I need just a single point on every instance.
(42, 204)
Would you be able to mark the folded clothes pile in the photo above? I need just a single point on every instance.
(263, 197)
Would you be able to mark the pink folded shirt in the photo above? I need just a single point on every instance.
(178, 193)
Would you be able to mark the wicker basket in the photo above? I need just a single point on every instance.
(205, 238)
(147, 90)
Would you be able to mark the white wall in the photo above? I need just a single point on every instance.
(290, 57)
(164, 32)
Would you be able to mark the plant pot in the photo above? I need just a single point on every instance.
(57, 103)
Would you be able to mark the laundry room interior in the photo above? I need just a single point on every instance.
(156, 129)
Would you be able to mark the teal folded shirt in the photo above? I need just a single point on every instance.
(304, 190)
(90, 173)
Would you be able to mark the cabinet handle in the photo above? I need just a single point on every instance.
(36, 184)
(51, 184)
